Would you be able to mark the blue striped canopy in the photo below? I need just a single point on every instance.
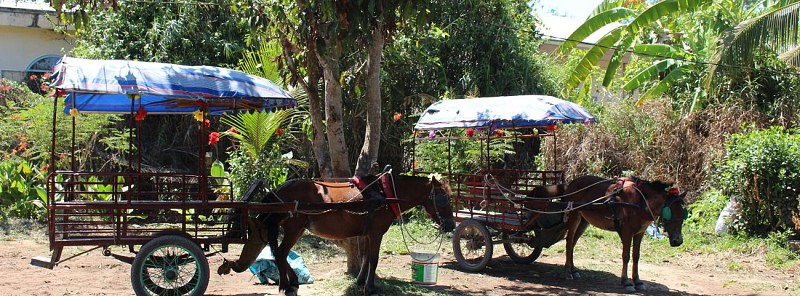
(117, 86)
(502, 112)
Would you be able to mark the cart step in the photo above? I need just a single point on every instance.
(42, 261)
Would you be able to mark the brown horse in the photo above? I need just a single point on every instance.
(338, 211)
(626, 206)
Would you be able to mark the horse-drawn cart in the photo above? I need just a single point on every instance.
(504, 199)
(174, 217)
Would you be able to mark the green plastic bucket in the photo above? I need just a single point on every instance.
(424, 267)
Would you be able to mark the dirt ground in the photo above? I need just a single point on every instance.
(95, 274)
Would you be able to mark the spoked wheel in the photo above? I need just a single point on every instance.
(170, 265)
(472, 245)
(523, 250)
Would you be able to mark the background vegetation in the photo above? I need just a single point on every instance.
(671, 124)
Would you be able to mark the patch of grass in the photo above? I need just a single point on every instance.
(735, 266)
(415, 233)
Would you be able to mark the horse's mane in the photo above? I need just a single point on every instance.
(657, 185)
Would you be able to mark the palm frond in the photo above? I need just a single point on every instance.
(775, 30)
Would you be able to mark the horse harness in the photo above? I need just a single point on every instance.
(613, 201)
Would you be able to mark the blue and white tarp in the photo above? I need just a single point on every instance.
(109, 85)
(266, 270)
(502, 112)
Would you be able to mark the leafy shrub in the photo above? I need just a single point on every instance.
(22, 189)
(762, 169)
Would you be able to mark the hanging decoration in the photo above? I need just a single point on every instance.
(140, 114)
(470, 132)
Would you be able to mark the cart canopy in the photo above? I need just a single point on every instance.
(502, 112)
(108, 86)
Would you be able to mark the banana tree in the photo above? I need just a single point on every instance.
(636, 19)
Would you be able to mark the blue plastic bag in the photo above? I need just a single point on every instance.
(266, 270)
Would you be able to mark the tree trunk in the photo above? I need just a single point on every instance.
(318, 140)
(328, 55)
(372, 135)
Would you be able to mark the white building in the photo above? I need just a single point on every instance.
(28, 42)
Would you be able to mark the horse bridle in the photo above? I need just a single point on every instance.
(438, 200)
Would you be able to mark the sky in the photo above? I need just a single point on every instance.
(571, 8)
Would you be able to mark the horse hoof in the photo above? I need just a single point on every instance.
(224, 269)
(629, 288)
(641, 286)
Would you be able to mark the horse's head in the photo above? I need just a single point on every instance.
(672, 211)
(437, 206)
(672, 216)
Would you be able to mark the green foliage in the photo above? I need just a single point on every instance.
(27, 130)
(770, 87)
(762, 171)
(464, 156)
(258, 152)
(186, 32)
(22, 189)
(705, 210)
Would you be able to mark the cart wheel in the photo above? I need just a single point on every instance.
(525, 250)
(472, 245)
(170, 265)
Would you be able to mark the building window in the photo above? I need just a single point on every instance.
(37, 74)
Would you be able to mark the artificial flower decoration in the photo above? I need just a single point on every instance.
(140, 115)
(198, 115)
(73, 112)
(397, 116)
(279, 132)
(536, 132)
(213, 138)
(470, 132)
(551, 128)
(499, 133)
(231, 130)
(207, 123)
(674, 191)
(432, 134)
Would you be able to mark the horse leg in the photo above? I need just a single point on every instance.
(373, 251)
(626, 256)
(637, 243)
(573, 223)
(288, 282)
(361, 279)
(578, 233)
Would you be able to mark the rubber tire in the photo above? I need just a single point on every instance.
(482, 237)
(196, 286)
(524, 259)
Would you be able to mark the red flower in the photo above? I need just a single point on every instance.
(140, 114)
(213, 138)
(551, 128)
(45, 167)
(232, 130)
(397, 116)
(207, 123)
(279, 131)
(499, 133)
(470, 132)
